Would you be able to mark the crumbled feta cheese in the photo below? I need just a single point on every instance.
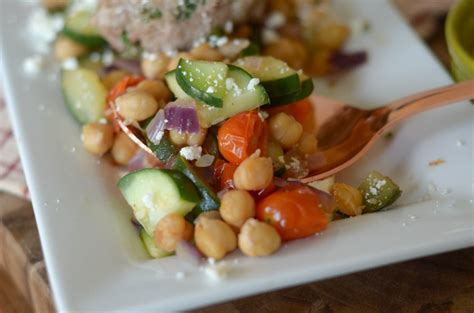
(108, 57)
(43, 29)
(217, 271)
(33, 65)
(252, 83)
(275, 20)
(191, 152)
(263, 115)
(210, 89)
(70, 64)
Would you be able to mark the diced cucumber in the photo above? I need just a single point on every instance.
(307, 87)
(203, 80)
(239, 99)
(164, 150)
(209, 199)
(154, 193)
(276, 76)
(153, 250)
(170, 78)
(79, 28)
(84, 93)
(378, 191)
(276, 153)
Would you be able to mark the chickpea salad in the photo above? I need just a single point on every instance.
(214, 132)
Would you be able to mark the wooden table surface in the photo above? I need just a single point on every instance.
(436, 284)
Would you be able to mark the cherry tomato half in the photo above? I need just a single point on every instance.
(294, 211)
(242, 135)
(224, 174)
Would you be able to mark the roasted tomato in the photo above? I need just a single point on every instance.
(295, 211)
(242, 135)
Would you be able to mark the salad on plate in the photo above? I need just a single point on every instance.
(205, 105)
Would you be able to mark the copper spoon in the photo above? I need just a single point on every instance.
(345, 134)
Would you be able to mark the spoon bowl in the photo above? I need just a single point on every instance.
(345, 133)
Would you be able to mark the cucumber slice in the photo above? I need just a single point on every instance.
(164, 150)
(153, 250)
(154, 193)
(234, 102)
(276, 153)
(307, 87)
(378, 191)
(79, 28)
(202, 80)
(276, 76)
(173, 85)
(209, 199)
(84, 94)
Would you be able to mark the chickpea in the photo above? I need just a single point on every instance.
(65, 48)
(255, 173)
(55, 5)
(308, 144)
(292, 51)
(170, 230)
(155, 67)
(156, 88)
(331, 36)
(285, 129)
(174, 61)
(214, 238)
(136, 105)
(206, 53)
(123, 149)
(213, 215)
(348, 199)
(112, 78)
(237, 206)
(258, 238)
(97, 138)
(186, 139)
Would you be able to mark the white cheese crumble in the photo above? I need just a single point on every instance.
(33, 65)
(210, 89)
(253, 83)
(191, 153)
(217, 270)
(275, 20)
(43, 29)
(108, 58)
(70, 64)
(263, 115)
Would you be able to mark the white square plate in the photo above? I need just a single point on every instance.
(96, 261)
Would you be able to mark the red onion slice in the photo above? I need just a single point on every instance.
(181, 115)
(347, 61)
(156, 127)
(137, 162)
(187, 252)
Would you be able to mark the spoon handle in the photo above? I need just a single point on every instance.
(428, 100)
